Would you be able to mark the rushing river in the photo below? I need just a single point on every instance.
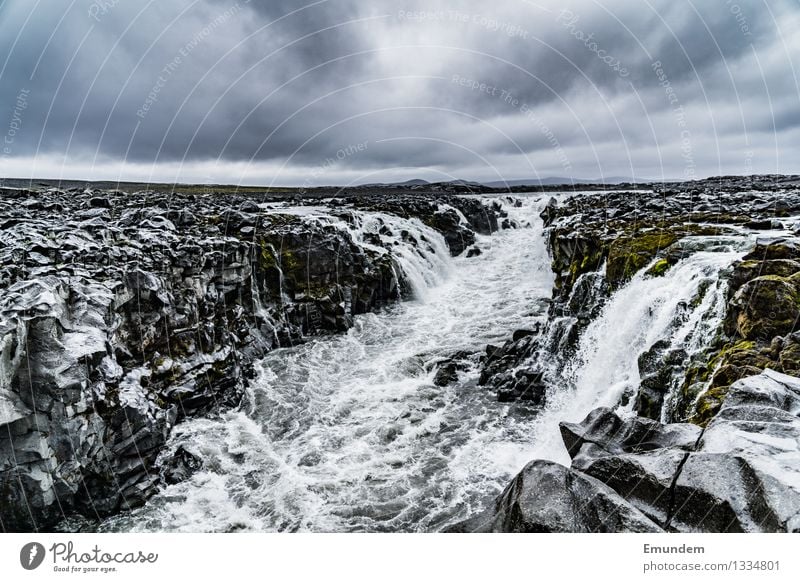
(349, 433)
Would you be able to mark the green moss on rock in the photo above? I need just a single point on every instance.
(629, 254)
(731, 363)
(266, 256)
(766, 307)
(659, 268)
(790, 359)
(709, 404)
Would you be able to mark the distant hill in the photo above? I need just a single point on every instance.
(555, 180)
(415, 182)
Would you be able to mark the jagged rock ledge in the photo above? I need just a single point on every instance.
(123, 313)
(599, 241)
(729, 458)
(739, 474)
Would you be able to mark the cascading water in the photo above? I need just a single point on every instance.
(349, 433)
(645, 311)
(420, 252)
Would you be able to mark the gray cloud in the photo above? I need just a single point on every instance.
(253, 91)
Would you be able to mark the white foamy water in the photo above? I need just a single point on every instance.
(644, 311)
(348, 433)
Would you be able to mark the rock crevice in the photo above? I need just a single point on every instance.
(727, 459)
(737, 475)
(121, 314)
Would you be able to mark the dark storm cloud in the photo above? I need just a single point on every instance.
(459, 86)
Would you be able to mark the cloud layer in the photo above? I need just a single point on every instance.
(340, 91)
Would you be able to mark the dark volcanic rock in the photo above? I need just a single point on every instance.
(474, 252)
(740, 474)
(500, 371)
(447, 369)
(121, 314)
(604, 429)
(766, 307)
(549, 498)
(456, 218)
(180, 466)
(626, 230)
(598, 242)
(762, 314)
(735, 467)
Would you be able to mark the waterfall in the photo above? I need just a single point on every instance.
(419, 253)
(349, 432)
(684, 308)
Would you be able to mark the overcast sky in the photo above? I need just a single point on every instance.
(346, 91)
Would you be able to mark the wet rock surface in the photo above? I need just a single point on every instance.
(625, 231)
(599, 241)
(457, 218)
(123, 313)
(739, 474)
(759, 332)
(549, 498)
(713, 445)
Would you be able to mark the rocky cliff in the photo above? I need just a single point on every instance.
(713, 442)
(739, 474)
(123, 313)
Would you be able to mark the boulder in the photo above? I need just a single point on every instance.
(740, 474)
(604, 429)
(765, 307)
(549, 498)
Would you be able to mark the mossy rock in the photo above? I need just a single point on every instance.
(752, 358)
(709, 403)
(731, 363)
(741, 354)
(723, 367)
(748, 270)
(790, 359)
(278, 220)
(659, 268)
(683, 408)
(765, 307)
(266, 256)
(629, 254)
(292, 262)
(697, 374)
(573, 257)
(584, 264)
(774, 250)
(727, 374)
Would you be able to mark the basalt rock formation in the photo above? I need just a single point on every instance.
(739, 474)
(599, 241)
(123, 313)
(724, 455)
(759, 329)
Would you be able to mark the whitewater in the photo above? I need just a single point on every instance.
(349, 433)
